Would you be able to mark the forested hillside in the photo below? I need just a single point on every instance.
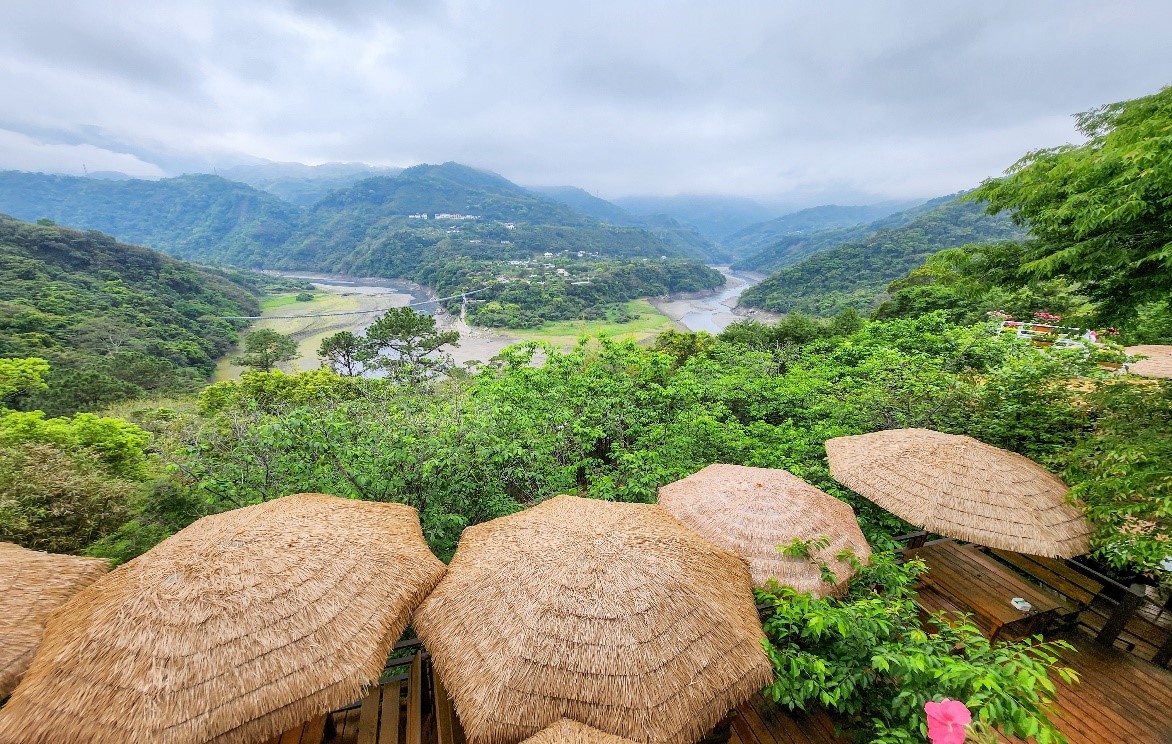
(197, 217)
(752, 240)
(450, 227)
(115, 321)
(856, 273)
(797, 246)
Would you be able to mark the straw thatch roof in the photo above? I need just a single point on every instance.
(611, 614)
(1158, 363)
(962, 488)
(566, 731)
(751, 511)
(33, 584)
(234, 629)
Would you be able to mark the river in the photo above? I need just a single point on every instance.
(701, 311)
(710, 311)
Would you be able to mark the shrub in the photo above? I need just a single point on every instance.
(866, 658)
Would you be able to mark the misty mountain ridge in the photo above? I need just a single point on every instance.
(757, 237)
(303, 184)
(683, 236)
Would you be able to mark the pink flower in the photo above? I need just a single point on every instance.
(946, 721)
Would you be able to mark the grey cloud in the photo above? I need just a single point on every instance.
(789, 100)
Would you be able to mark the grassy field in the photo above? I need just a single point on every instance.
(649, 324)
(272, 302)
(308, 332)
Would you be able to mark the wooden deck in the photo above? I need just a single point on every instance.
(1119, 698)
(759, 722)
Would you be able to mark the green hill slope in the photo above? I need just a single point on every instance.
(114, 320)
(199, 217)
(750, 243)
(856, 273)
(792, 247)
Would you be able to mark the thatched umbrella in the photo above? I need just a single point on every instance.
(611, 614)
(1158, 363)
(566, 731)
(236, 628)
(962, 488)
(752, 511)
(33, 584)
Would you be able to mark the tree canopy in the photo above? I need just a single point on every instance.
(1100, 213)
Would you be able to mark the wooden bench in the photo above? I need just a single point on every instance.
(977, 583)
(1076, 590)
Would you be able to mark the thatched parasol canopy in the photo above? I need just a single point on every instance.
(232, 630)
(1158, 363)
(962, 488)
(566, 731)
(751, 511)
(33, 584)
(611, 614)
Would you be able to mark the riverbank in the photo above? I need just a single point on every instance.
(713, 311)
(363, 299)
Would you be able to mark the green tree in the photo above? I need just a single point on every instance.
(265, 349)
(340, 353)
(21, 376)
(1099, 212)
(407, 345)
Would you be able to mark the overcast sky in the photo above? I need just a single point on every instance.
(797, 101)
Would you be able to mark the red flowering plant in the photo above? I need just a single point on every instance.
(947, 721)
(1049, 318)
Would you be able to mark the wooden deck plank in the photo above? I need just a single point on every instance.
(293, 735)
(414, 733)
(444, 724)
(368, 716)
(388, 730)
(1120, 698)
(314, 731)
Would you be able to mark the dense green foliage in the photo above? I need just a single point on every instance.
(1099, 213)
(64, 482)
(587, 291)
(855, 274)
(969, 282)
(1123, 471)
(866, 658)
(615, 420)
(115, 321)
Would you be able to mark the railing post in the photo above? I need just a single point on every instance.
(1118, 620)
